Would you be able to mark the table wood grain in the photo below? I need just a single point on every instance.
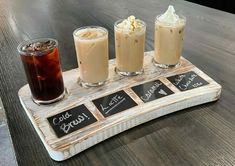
(202, 135)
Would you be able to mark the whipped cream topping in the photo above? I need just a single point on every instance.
(130, 24)
(169, 17)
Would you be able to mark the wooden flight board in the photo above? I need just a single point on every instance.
(86, 117)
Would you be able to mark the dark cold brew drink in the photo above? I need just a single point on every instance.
(41, 62)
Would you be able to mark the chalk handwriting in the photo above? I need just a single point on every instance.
(190, 80)
(197, 84)
(151, 91)
(57, 121)
(162, 92)
(179, 79)
(65, 127)
(113, 103)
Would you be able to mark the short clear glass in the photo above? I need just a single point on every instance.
(40, 58)
(129, 49)
(91, 43)
(168, 43)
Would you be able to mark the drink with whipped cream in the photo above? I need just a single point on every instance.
(91, 45)
(129, 46)
(169, 34)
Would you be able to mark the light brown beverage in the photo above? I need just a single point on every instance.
(129, 48)
(168, 42)
(92, 54)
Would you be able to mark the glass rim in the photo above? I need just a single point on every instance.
(120, 20)
(169, 24)
(30, 41)
(91, 26)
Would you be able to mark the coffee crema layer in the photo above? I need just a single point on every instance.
(90, 33)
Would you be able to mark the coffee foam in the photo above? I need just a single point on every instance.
(90, 33)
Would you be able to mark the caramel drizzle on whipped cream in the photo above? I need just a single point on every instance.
(130, 24)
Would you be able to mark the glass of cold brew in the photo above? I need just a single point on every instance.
(40, 58)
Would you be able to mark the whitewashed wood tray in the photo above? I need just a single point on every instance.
(64, 147)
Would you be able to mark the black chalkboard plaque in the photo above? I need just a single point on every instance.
(114, 103)
(152, 90)
(71, 120)
(187, 81)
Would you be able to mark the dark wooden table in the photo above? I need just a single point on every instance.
(202, 135)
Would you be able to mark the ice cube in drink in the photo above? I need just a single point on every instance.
(41, 62)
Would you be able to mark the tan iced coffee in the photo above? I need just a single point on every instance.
(129, 46)
(91, 45)
(169, 34)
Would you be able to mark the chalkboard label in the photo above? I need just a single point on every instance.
(114, 103)
(187, 81)
(151, 90)
(71, 120)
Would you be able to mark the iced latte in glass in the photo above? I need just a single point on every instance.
(129, 46)
(169, 34)
(91, 45)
